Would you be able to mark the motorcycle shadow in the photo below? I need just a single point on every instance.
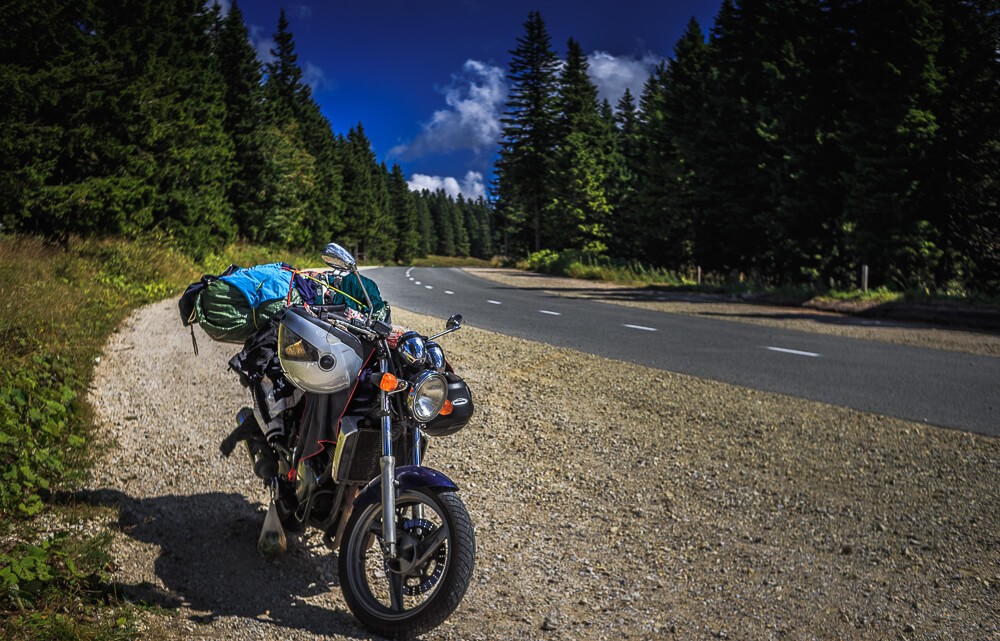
(208, 562)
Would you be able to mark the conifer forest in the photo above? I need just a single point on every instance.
(792, 141)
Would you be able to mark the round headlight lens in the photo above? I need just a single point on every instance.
(411, 348)
(428, 392)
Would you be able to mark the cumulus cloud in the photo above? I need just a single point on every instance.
(302, 12)
(262, 43)
(471, 187)
(313, 76)
(613, 74)
(475, 99)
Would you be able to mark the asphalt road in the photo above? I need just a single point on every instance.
(947, 389)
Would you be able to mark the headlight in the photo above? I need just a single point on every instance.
(411, 348)
(435, 356)
(428, 392)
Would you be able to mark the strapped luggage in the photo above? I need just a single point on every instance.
(239, 302)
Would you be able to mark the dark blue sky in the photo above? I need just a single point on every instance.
(427, 80)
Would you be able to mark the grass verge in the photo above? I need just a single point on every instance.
(451, 261)
(580, 265)
(59, 305)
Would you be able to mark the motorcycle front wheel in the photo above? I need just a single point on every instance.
(407, 596)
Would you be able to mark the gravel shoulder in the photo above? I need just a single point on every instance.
(611, 501)
(728, 308)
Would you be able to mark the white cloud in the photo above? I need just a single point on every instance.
(612, 74)
(471, 187)
(475, 100)
(313, 76)
(261, 43)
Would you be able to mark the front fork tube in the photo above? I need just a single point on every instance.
(388, 463)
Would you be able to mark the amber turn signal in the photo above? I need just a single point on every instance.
(388, 383)
(446, 410)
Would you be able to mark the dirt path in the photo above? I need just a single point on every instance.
(610, 501)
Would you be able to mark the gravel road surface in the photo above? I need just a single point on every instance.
(611, 501)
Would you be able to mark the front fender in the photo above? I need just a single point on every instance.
(408, 477)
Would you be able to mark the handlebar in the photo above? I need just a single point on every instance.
(333, 314)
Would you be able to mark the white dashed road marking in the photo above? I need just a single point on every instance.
(448, 291)
(645, 329)
(793, 351)
(494, 302)
(416, 282)
(428, 287)
(545, 311)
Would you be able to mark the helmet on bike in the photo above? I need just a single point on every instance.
(315, 355)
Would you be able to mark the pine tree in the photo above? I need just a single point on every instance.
(965, 158)
(195, 156)
(650, 208)
(890, 137)
(167, 122)
(289, 100)
(578, 213)
(444, 223)
(624, 227)
(289, 190)
(457, 210)
(403, 206)
(525, 159)
(732, 192)
(46, 133)
(244, 122)
(328, 221)
(425, 224)
(283, 87)
(368, 221)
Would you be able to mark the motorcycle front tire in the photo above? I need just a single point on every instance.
(401, 605)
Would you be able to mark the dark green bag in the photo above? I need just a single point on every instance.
(225, 314)
(235, 305)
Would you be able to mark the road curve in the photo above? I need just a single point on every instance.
(936, 387)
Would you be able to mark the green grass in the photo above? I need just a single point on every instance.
(451, 261)
(580, 265)
(57, 308)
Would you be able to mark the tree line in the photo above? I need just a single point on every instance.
(130, 117)
(799, 141)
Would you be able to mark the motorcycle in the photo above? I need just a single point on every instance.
(349, 459)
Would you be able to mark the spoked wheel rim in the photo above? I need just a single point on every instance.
(398, 589)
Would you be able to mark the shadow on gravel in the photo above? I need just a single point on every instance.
(209, 562)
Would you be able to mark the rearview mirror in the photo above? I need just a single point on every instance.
(454, 322)
(339, 258)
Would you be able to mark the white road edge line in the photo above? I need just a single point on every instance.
(494, 302)
(545, 311)
(645, 329)
(793, 351)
